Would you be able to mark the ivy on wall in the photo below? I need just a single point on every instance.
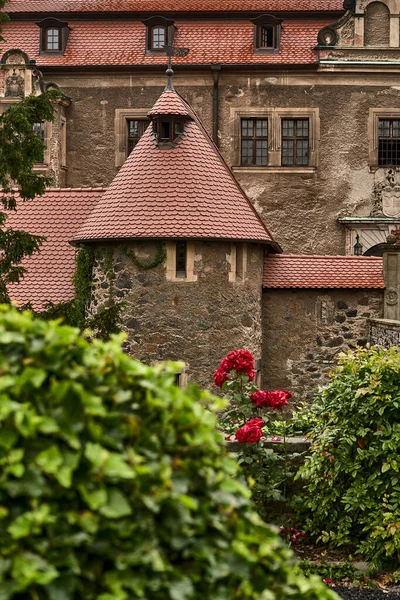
(108, 319)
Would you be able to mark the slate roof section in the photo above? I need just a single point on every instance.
(288, 271)
(161, 6)
(122, 43)
(184, 192)
(56, 215)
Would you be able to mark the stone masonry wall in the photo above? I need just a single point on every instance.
(196, 322)
(304, 330)
(385, 332)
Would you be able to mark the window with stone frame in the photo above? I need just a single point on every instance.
(180, 261)
(136, 128)
(254, 142)
(295, 142)
(39, 130)
(389, 142)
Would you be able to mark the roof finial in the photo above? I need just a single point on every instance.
(171, 51)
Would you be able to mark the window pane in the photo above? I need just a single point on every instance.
(389, 143)
(136, 128)
(262, 127)
(52, 39)
(287, 152)
(247, 127)
(267, 36)
(287, 127)
(302, 152)
(302, 128)
(158, 37)
(261, 152)
(38, 128)
(247, 152)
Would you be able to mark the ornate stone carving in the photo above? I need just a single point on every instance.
(391, 296)
(15, 84)
(386, 196)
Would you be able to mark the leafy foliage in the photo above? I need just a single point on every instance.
(352, 491)
(20, 149)
(114, 483)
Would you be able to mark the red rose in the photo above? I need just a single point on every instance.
(250, 434)
(260, 398)
(220, 376)
(256, 421)
(240, 360)
(277, 398)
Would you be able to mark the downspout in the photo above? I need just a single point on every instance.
(215, 70)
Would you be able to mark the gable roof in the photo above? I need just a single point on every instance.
(56, 215)
(314, 271)
(54, 6)
(123, 43)
(183, 192)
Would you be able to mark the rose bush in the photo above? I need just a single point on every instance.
(250, 410)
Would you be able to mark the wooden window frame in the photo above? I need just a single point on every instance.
(254, 138)
(135, 139)
(174, 134)
(389, 138)
(63, 33)
(274, 116)
(122, 115)
(261, 22)
(375, 115)
(295, 138)
(151, 24)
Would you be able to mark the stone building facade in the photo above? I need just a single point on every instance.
(329, 65)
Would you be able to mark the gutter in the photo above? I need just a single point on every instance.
(215, 70)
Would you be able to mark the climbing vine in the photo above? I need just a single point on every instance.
(159, 258)
(107, 319)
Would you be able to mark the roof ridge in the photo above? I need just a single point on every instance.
(325, 256)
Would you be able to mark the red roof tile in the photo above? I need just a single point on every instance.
(170, 103)
(123, 43)
(182, 192)
(308, 271)
(56, 215)
(53, 6)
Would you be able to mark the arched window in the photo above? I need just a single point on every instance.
(52, 39)
(377, 25)
(158, 37)
(267, 29)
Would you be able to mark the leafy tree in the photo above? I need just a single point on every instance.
(115, 484)
(20, 149)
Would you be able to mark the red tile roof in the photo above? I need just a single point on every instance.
(309, 271)
(56, 215)
(183, 192)
(123, 43)
(170, 103)
(161, 6)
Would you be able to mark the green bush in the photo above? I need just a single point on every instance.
(352, 491)
(114, 484)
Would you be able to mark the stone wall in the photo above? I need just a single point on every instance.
(197, 322)
(304, 330)
(384, 332)
(301, 208)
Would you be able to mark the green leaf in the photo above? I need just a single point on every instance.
(117, 505)
(50, 460)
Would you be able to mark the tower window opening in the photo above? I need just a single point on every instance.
(180, 261)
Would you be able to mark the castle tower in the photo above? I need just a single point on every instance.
(179, 243)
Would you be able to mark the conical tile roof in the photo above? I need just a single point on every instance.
(181, 192)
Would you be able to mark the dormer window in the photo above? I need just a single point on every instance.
(52, 39)
(267, 30)
(167, 129)
(159, 34)
(158, 37)
(53, 36)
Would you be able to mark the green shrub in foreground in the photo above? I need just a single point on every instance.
(352, 491)
(114, 484)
